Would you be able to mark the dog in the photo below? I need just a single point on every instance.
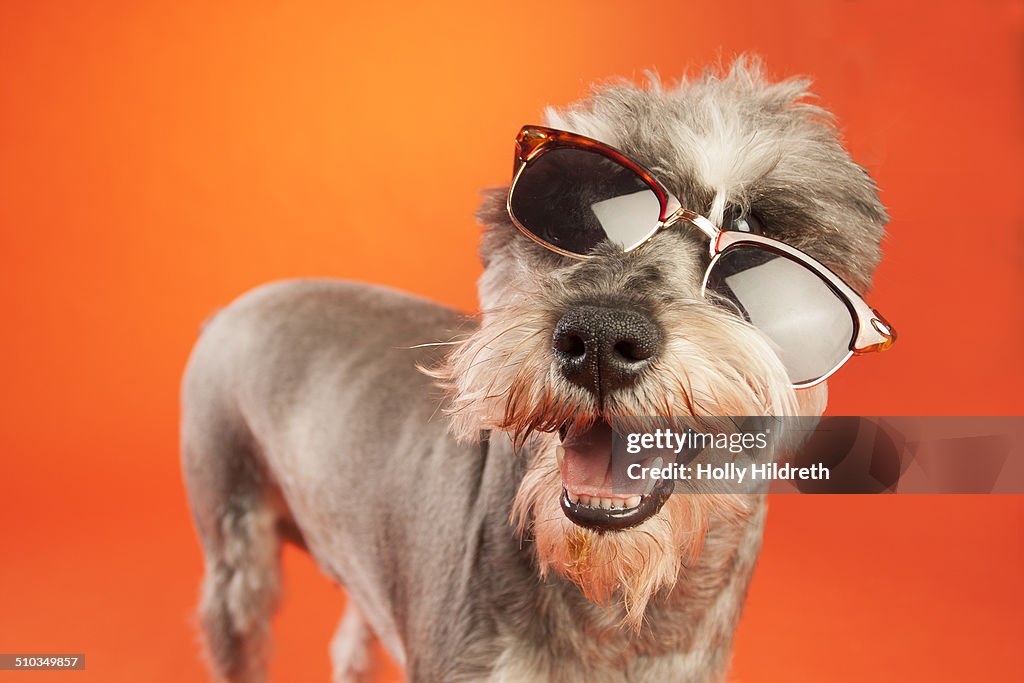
(467, 526)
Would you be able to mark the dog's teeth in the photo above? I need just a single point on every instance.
(559, 454)
(603, 503)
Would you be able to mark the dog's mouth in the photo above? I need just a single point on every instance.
(588, 498)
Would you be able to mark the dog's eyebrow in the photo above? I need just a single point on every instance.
(716, 214)
(743, 195)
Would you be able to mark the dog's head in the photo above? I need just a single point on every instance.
(567, 344)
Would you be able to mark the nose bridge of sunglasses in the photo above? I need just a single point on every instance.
(680, 213)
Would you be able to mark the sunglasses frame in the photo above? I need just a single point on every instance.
(871, 332)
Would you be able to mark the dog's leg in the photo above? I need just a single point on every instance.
(239, 595)
(351, 648)
(241, 545)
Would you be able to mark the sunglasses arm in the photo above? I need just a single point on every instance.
(875, 334)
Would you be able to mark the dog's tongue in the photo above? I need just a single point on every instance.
(586, 466)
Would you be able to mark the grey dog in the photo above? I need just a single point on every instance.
(308, 418)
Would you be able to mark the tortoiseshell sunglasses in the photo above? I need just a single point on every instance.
(571, 193)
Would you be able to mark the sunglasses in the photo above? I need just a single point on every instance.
(571, 193)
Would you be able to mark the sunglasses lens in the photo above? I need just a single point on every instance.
(573, 199)
(810, 324)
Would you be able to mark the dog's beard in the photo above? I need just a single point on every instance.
(632, 564)
(503, 378)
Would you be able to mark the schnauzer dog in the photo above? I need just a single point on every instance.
(692, 250)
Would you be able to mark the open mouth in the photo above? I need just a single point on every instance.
(588, 498)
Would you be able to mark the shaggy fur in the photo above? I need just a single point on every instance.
(304, 419)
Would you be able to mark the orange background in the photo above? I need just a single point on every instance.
(156, 160)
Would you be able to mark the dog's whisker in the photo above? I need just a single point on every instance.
(426, 345)
(486, 345)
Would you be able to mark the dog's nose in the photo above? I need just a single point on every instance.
(602, 348)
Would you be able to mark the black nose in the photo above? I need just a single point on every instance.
(602, 348)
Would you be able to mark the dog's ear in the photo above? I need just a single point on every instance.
(493, 217)
(492, 209)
